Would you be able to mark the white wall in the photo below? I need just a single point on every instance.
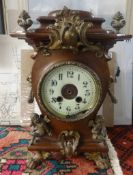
(104, 8)
(129, 17)
(10, 62)
(123, 87)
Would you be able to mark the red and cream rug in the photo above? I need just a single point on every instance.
(13, 156)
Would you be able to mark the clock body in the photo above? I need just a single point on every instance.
(70, 89)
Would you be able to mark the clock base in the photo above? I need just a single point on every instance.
(54, 146)
(91, 151)
(68, 142)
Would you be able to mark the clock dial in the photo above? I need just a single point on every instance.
(70, 90)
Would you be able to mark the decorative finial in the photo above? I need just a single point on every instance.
(118, 22)
(24, 20)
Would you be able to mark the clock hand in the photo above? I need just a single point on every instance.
(79, 114)
(82, 112)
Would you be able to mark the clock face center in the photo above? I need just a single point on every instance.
(69, 91)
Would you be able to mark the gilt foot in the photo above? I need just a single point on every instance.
(37, 159)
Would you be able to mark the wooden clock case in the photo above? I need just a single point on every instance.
(64, 36)
(88, 59)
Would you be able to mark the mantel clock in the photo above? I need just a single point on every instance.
(70, 79)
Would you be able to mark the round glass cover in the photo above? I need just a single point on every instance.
(70, 91)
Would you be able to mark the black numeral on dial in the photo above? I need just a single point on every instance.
(53, 83)
(51, 91)
(60, 105)
(78, 77)
(84, 101)
(77, 107)
(60, 76)
(87, 93)
(85, 84)
(68, 108)
(54, 100)
(70, 74)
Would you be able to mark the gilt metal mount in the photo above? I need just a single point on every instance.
(69, 31)
(24, 20)
(69, 141)
(118, 22)
(97, 128)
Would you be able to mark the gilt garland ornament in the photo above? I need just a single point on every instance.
(70, 32)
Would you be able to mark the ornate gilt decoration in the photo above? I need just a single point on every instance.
(69, 141)
(24, 20)
(69, 32)
(40, 128)
(118, 22)
(44, 49)
(98, 128)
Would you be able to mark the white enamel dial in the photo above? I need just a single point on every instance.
(69, 90)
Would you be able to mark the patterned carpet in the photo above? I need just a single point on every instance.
(122, 139)
(13, 155)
